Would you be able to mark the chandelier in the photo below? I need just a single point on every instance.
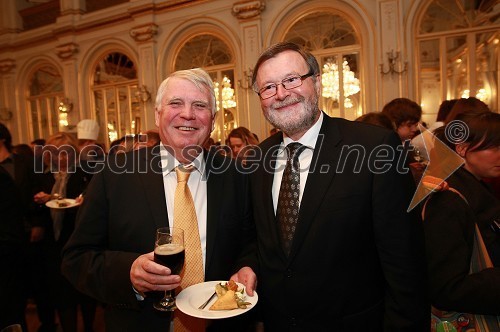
(481, 94)
(65, 106)
(112, 133)
(228, 98)
(330, 80)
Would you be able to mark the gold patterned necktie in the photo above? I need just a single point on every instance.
(288, 200)
(185, 218)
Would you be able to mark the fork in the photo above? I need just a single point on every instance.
(207, 301)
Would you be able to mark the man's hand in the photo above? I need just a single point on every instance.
(247, 277)
(146, 275)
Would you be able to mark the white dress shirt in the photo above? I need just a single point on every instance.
(309, 141)
(197, 186)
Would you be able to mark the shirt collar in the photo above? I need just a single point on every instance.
(169, 162)
(309, 138)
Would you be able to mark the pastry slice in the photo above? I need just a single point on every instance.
(225, 302)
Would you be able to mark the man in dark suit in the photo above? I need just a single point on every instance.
(61, 176)
(22, 280)
(351, 259)
(110, 255)
(12, 247)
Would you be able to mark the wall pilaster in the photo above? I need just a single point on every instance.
(392, 71)
(145, 37)
(250, 114)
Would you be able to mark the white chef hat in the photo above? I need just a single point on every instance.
(88, 129)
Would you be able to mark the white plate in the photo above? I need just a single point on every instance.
(189, 299)
(53, 203)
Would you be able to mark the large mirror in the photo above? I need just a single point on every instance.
(458, 52)
(45, 93)
(116, 96)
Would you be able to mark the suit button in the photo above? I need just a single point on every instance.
(289, 273)
(293, 321)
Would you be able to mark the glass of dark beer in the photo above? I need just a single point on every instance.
(169, 251)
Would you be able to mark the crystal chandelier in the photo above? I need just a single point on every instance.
(65, 106)
(228, 98)
(330, 80)
(112, 133)
(481, 94)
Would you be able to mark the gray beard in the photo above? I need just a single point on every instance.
(292, 125)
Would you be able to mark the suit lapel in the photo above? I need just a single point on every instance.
(267, 176)
(326, 153)
(215, 186)
(152, 184)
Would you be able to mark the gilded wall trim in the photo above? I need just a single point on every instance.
(144, 32)
(248, 9)
(66, 51)
(7, 65)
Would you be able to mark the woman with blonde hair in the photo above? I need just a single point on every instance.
(238, 139)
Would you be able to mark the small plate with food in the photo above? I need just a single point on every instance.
(231, 300)
(64, 203)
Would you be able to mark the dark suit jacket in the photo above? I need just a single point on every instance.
(12, 254)
(11, 226)
(449, 228)
(356, 261)
(24, 181)
(117, 222)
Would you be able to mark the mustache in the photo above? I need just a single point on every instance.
(287, 102)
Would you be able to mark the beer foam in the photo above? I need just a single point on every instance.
(169, 249)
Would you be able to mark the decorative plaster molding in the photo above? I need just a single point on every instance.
(251, 40)
(6, 65)
(389, 15)
(144, 32)
(65, 51)
(248, 9)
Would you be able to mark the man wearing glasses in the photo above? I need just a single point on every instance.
(337, 249)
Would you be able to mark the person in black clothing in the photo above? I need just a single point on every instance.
(62, 177)
(449, 223)
(18, 206)
(12, 300)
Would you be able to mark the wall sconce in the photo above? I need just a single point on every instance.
(142, 94)
(392, 58)
(5, 114)
(65, 106)
(247, 84)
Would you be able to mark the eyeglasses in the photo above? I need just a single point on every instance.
(288, 83)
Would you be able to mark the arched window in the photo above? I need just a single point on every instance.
(116, 97)
(214, 56)
(458, 52)
(335, 44)
(45, 94)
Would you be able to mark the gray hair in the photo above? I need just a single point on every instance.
(200, 78)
